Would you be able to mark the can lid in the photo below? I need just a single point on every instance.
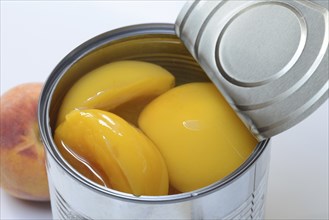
(269, 58)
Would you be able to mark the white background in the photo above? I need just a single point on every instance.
(36, 35)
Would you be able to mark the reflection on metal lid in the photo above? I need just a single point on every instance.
(268, 58)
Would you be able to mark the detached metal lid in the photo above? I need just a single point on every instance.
(269, 58)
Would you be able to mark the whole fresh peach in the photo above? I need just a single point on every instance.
(22, 156)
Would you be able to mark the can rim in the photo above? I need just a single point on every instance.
(46, 133)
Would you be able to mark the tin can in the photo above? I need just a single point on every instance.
(240, 195)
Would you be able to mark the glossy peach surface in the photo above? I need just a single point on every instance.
(118, 153)
(117, 87)
(199, 135)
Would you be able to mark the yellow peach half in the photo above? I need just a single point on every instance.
(123, 87)
(200, 137)
(125, 159)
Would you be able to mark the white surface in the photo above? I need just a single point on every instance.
(36, 35)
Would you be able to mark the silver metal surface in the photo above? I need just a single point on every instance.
(242, 198)
(268, 57)
(237, 196)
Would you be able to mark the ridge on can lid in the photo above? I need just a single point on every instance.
(269, 58)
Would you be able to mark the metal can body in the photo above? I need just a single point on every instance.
(238, 196)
